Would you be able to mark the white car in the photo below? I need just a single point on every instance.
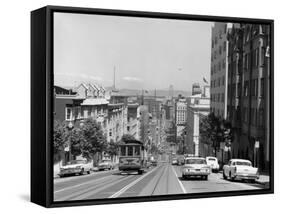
(240, 169)
(105, 164)
(213, 163)
(76, 167)
(195, 166)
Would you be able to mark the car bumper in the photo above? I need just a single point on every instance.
(129, 168)
(246, 176)
(196, 173)
(69, 171)
(103, 167)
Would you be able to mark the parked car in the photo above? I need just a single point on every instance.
(76, 167)
(105, 164)
(180, 160)
(240, 169)
(196, 167)
(213, 163)
(174, 161)
(154, 162)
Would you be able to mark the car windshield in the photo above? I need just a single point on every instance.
(195, 161)
(212, 159)
(76, 162)
(243, 163)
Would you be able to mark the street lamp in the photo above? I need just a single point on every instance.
(70, 127)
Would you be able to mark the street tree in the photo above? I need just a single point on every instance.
(112, 148)
(76, 141)
(59, 138)
(94, 140)
(211, 131)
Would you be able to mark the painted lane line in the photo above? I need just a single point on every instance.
(180, 183)
(115, 195)
(78, 185)
(73, 178)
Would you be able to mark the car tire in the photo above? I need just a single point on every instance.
(224, 176)
(206, 177)
(183, 177)
(89, 172)
(140, 172)
(82, 172)
(230, 177)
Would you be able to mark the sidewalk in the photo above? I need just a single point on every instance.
(263, 179)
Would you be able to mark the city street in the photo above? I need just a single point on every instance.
(159, 180)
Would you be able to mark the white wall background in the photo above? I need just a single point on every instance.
(15, 105)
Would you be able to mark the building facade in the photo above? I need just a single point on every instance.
(180, 115)
(198, 106)
(249, 91)
(219, 69)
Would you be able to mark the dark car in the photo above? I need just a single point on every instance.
(154, 162)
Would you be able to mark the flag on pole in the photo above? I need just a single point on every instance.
(205, 81)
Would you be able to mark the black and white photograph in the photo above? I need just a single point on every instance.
(152, 107)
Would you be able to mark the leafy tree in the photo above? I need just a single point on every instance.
(76, 139)
(212, 131)
(94, 139)
(59, 138)
(112, 148)
(127, 137)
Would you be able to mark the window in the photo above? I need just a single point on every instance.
(123, 151)
(212, 43)
(130, 150)
(223, 63)
(262, 87)
(216, 40)
(223, 80)
(220, 50)
(68, 114)
(256, 57)
(245, 114)
(263, 51)
(222, 97)
(253, 88)
(261, 117)
(137, 150)
(224, 46)
(110, 132)
(219, 66)
(215, 68)
(246, 88)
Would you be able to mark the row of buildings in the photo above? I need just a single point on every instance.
(240, 87)
(118, 113)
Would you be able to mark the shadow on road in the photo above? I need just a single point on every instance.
(192, 179)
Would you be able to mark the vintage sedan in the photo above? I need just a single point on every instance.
(195, 167)
(213, 163)
(105, 164)
(240, 169)
(76, 167)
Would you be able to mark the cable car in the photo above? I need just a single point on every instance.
(132, 156)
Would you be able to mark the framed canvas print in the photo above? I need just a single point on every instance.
(134, 106)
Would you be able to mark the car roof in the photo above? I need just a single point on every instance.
(240, 160)
(195, 158)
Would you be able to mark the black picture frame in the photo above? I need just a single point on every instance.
(42, 82)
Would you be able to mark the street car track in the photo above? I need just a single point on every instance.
(90, 188)
(121, 191)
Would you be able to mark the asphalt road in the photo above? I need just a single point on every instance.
(160, 180)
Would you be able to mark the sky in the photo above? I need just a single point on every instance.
(146, 53)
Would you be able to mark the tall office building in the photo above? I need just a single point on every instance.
(219, 69)
(249, 91)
